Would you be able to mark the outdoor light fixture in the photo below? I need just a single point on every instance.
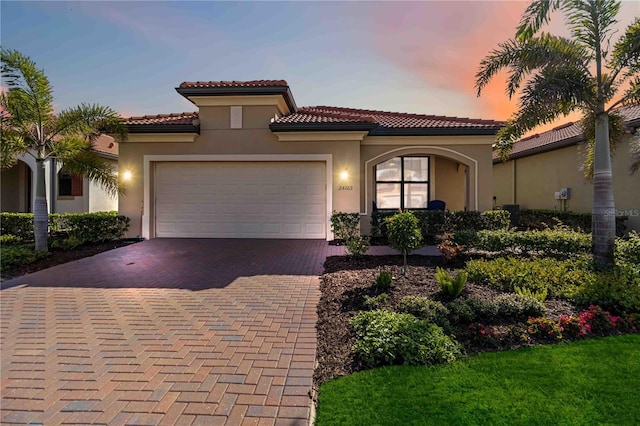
(126, 175)
(344, 175)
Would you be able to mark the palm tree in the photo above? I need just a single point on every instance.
(31, 127)
(585, 72)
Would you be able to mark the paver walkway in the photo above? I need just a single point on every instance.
(164, 332)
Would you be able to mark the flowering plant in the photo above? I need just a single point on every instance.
(483, 334)
(544, 328)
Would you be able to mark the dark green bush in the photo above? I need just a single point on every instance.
(560, 278)
(375, 302)
(14, 256)
(510, 305)
(550, 241)
(542, 219)
(86, 227)
(357, 246)
(426, 309)
(471, 309)
(345, 225)
(383, 280)
(10, 240)
(384, 337)
(403, 233)
(436, 222)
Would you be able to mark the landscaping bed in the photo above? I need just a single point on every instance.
(347, 283)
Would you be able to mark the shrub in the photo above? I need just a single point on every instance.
(543, 328)
(87, 227)
(448, 248)
(483, 335)
(15, 256)
(10, 240)
(537, 295)
(384, 337)
(471, 309)
(542, 219)
(496, 220)
(426, 309)
(345, 225)
(617, 290)
(449, 285)
(403, 233)
(551, 241)
(510, 305)
(358, 246)
(375, 302)
(627, 252)
(66, 244)
(383, 280)
(561, 278)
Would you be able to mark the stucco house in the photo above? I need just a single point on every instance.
(250, 163)
(66, 193)
(542, 166)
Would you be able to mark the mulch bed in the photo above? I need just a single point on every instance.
(345, 282)
(57, 257)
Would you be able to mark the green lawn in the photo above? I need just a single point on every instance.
(588, 382)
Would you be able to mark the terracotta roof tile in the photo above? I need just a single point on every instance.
(106, 145)
(163, 119)
(561, 134)
(318, 114)
(252, 83)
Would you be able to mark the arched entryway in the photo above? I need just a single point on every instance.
(17, 188)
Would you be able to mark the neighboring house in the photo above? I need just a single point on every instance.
(541, 165)
(251, 164)
(66, 193)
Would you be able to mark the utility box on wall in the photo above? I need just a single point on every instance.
(565, 193)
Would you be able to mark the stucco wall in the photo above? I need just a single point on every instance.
(537, 177)
(450, 183)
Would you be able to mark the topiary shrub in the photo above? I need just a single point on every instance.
(385, 337)
(404, 234)
(426, 309)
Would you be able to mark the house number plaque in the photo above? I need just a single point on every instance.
(345, 188)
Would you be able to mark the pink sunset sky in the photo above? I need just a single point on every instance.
(416, 57)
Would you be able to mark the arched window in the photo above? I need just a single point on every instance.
(403, 183)
(69, 184)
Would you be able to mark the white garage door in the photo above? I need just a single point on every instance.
(240, 199)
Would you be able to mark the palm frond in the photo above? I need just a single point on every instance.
(523, 58)
(536, 15)
(90, 120)
(626, 52)
(88, 164)
(588, 125)
(584, 28)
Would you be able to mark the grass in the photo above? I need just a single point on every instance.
(586, 382)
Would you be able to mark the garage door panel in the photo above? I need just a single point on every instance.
(240, 200)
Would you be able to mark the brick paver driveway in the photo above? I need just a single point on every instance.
(164, 332)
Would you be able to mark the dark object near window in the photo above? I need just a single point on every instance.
(437, 205)
(402, 183)
(69, 184)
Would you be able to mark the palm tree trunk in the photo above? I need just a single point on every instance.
(603, 225)
(40, 213)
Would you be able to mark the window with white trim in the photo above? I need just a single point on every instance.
(402, 183)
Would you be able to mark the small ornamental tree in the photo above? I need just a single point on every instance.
(404, 233)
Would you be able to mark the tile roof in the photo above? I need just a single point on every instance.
(561, 136)
(163, 119)
(252, 83)
(106, 145)
(383, 119)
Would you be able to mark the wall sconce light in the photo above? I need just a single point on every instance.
(344, 175)
(126, 175)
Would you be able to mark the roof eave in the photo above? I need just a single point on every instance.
(433, 131)
(188, 92)
(573, 140)
(322, 127)
(163, 128)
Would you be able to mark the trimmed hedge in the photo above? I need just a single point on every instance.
(437, 222)
(85, 227)
(542, 219)
(549, 241)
